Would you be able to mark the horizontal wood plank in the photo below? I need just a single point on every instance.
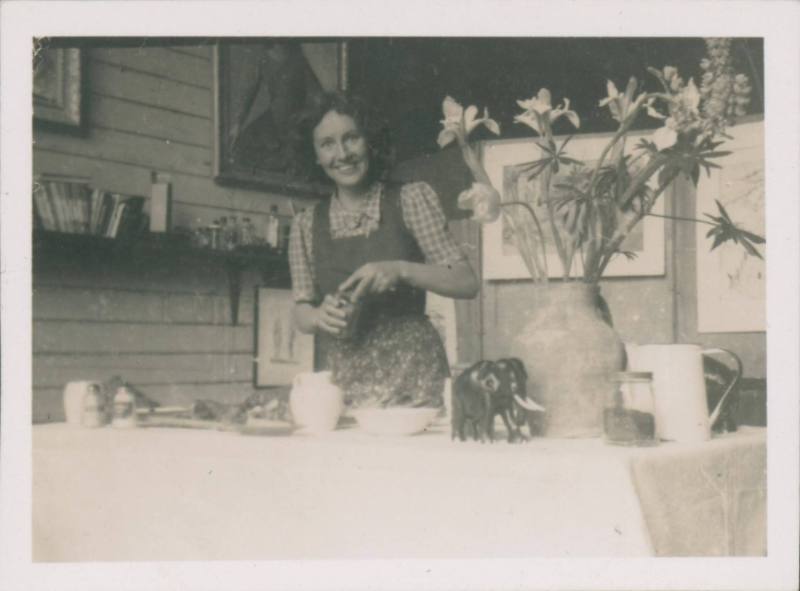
(105, 145)
(118, 114)
(196, 51)
(54, 302)
(93, 304)
(117, 81)
(53, 371)
(158, 61)
(57, 336)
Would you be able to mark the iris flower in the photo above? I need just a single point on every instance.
(539, 107)
(483, 200)
(459, 123)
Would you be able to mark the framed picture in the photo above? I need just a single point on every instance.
(281, 351)
(57, 90)
(731, 285)
(259, 85)
(501, 259)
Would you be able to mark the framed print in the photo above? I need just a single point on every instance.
(501, 259)
(57, 90)
(259, 86)
(281, 350)
(731, 285)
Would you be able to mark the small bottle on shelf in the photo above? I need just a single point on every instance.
(246, 233)
(233, 233)
(273, 227)
(215, 235)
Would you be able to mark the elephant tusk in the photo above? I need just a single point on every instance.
(529, 404)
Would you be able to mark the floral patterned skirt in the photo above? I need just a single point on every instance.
(399, 361)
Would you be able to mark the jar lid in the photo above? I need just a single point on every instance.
(633, 376)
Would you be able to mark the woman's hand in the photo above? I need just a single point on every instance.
(330, 316)
(376, 277)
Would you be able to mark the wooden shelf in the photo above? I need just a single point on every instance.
(149, 250)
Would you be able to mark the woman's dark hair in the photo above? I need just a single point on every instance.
(375, 130)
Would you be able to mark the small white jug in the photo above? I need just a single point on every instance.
(74, 393)
(316, 403)
(680, 388)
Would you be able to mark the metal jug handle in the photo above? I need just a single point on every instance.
(715, 413)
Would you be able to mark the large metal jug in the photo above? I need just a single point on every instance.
(682, 412)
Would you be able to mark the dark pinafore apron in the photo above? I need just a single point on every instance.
(395, 357)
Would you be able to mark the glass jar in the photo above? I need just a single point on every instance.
(629, 411)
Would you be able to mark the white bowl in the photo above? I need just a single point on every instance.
(394, 421)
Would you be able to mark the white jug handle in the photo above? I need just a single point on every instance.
(715, 413)
(296, 381)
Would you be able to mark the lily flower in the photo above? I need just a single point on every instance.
(690, 97)
(652, 111)
(470, 122)
(483, 200)
(618, 103)
(539, 107)
(665, 137)
(458, 123)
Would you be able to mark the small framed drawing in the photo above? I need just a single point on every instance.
(732, 285)
(57, 88)
(500, 256)
(281, 351)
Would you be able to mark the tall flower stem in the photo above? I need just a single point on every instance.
(620, 235)
(538, 228)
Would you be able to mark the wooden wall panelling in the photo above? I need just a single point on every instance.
(111, 113)
(157, 61)
(159, 324)
(102, 338)
(111, 305)
(128, 148)
(202, 51)
(138, 87)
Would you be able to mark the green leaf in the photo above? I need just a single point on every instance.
(753, 237)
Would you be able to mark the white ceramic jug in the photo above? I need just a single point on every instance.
(74, 393)
(316, 403)
(680, 389)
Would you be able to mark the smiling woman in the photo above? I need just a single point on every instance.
(362, 261)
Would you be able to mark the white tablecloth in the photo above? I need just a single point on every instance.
(177, 494)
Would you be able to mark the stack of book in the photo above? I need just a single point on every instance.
(71, 205)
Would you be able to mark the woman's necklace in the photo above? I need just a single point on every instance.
(354, 204)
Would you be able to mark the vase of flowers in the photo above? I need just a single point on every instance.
(567, 342)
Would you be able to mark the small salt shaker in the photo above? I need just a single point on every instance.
(124, 409)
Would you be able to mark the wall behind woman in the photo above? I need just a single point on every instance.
(165, 329)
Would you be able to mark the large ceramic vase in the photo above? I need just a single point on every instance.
(571, 353)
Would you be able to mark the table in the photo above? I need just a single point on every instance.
(177, 494)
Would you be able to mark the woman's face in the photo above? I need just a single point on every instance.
(342, 150)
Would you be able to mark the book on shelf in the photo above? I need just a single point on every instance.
(69, 204)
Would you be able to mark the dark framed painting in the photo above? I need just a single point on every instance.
(259, 85)
(57, 87)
